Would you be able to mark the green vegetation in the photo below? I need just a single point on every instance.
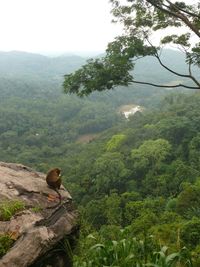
(148, 183)
(115, 142)
(141, 21)
(5, 243)
(39, 125)
(137, 184)
(145, 175)
(129, 252)
(37, 209)
(9, 208)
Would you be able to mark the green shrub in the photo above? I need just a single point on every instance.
(190, 233)
(37, 209)
(5, 243)
(196, 256)
(115, 142)
(9, 208)
(131, 253)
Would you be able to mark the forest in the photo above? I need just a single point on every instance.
(136, 184)
(135, 180)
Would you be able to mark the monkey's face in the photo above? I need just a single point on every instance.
(58, 171)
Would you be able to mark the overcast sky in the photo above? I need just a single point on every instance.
(56, 25)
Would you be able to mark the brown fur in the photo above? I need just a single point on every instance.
(53, 180)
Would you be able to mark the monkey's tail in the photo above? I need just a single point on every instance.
(59, 195)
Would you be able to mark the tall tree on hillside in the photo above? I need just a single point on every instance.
(141, 20)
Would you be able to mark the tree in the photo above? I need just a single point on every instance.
(188, 201)
(110, 172)
(115, 142)
(190, 233)
(150, 155)
(141, 19)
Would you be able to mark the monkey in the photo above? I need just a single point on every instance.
(53, 180)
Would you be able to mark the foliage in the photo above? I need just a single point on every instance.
(140, 174)
(37, 209)
(150, 154)
(188, 199)
(115, 142)
(5, 243)
(109, 172)
(158, 193)
(9, 208)
(190, 232)
(141, 19)
(131, 252)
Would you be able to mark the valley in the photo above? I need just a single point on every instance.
(129, 156)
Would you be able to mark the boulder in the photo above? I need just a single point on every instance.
(41, 234)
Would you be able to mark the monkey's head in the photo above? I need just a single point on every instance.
(53, 177)
(57, 171)
(54, 172)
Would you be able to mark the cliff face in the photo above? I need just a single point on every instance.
(35, 231)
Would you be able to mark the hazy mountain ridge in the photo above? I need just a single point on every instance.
(149, 68)
(23, 63)
(24, 74)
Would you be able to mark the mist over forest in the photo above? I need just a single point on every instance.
(36, 112)
(144, 169)
(100, 151)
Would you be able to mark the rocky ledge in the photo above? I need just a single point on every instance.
(39, 235)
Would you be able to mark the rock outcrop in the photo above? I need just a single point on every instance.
(37, 232)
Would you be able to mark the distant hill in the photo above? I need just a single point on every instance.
(27, 74)
(149, 69)
(22, 64)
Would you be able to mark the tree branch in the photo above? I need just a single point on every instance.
(166, 86)
(177, 14)
(169, 12)
(190, 69)
(174, 72)
(183, 10)
(179, 74)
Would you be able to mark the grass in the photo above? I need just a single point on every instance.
(37, 209)
(10, 208)
(5, 244)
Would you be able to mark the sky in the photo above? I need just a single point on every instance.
(56, 25)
